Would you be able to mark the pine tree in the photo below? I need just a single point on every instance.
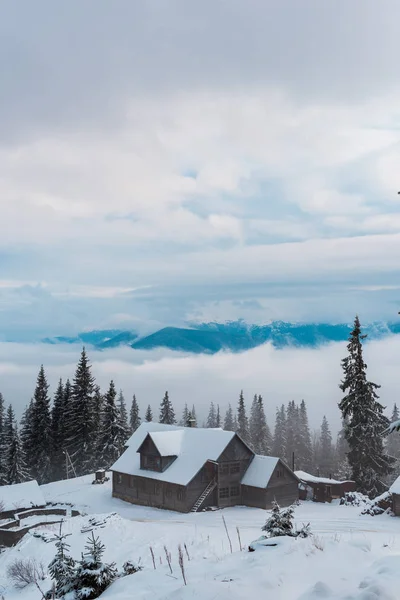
(185, 415)
(211, 422)
(3, 446)
(134, 417)
(26, 437)
(228, 421)
(260, 435)
(123, 419)
(243, 423)
(57, 433)
(292, 433)
(167, 413)
(92, 576)
(112, 437)
(303, 442)
(9, 425)
(280, 523)
(149, 414)
(81, 443)
(279, 445)
(325, 462)
(218, 418)
(16, 472)
(366, 421)
(62, 567)
(393, 442)
(342, 467)
(193, 414)
(39, 443)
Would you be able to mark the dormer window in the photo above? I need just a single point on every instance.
(152, 463)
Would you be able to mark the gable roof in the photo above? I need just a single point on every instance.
(260, 471)
(192, 446)
(21, 495)
(395, 487)
(307, 477)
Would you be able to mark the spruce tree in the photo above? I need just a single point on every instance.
(280, 522)
(367, 457)
(292, 434)
(279, 445)
(26, 438)
(3, 445)
(111, 440)
(149, 414)
(193, 414)
(242, 420)
(58, 432)
(185, 415)
(211, 422)
(228, 421)
(62, 567)
(134, 416)
(260, 435)
(98, 402)
(393, 442)
(303, 442)
(325, 461)
(40, 444)
(218, 418)
(167, 413)
(81, 442)
(92, 576)
(342, 466)
(16, 467)
(123, 418)
(9, 425)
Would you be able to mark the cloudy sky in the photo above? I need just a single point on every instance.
(167, 161)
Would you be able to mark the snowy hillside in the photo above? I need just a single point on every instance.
(350, 557)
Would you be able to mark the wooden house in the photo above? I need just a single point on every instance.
(188, 468)
(395, 491)
(322, 489)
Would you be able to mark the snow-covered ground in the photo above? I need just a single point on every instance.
(350, 557)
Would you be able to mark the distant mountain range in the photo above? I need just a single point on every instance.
(233, 336)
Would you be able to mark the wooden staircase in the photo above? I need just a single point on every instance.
(211, 486)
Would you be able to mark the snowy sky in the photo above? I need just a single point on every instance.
(162, 161)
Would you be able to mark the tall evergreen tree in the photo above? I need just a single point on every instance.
(193, 414)
(123, 418)
(304, 449)
(292, 434)
(260, 434)
(9, 425)
(81, 443)
(211, 422)
(112, 437)
(40, 444)
(325, 462)
(26, 437)
(3, 445)
(366, 421)
(185, 416)
(167, 413)
(243, 422)
(134, 416)
(280, 443)
(218, 417)
(393, 442)
(58, 432)
(342, 466)
(16, 471)
(228, 421)
(149, 414)
(97, 408)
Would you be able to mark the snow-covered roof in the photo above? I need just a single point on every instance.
(195, 446)
(21, 495)
(313, 479)
(260, 471)
(395, 487)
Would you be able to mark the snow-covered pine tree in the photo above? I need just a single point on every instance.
(254, 425)
(292, 433)
(92, 576)
(393, 441)
(3, 447)
(212, 417)
(98, 402)
(280, 443)
(218, 417)
(81, 442)
(123, 418)
(134, 415)
(57, 433)
(280, 522)
(9, 424)
(185, 415)
(111, 440)
(148, 417)
(242, 420)
(16, 467)
(303, 447)
(367, 457)
(40, 445)
(193, 414)
(325, 461)
(26, 437)
(265, 440)
(342, 468)
(228, 421)
(62, 567)
(167, 413)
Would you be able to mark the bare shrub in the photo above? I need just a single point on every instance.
(168, 557)
(318, 542)
(182, 564)
(24, 571)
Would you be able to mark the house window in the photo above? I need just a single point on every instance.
(234, 491)
(328, 490)
(224, 469)
(224, 492)
(181, 494)
(153, 463)
(235, 468)
(280, 473)
(119, 479)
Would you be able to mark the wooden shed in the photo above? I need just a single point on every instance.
(395, 491)
(322, 489)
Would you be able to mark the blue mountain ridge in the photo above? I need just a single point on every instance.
(232, 336)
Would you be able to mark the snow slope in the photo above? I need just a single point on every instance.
(351, 557)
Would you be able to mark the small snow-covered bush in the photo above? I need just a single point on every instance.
(354, 499)
(129, 568)
(280, 524)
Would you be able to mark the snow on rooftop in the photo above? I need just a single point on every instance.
(260, 471)
(395, 487)
(313, 479)
(196, 446)
(21, 495)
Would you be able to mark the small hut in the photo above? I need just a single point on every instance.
(322, 489)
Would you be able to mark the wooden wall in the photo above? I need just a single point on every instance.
(233, 464)
(282, 487)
